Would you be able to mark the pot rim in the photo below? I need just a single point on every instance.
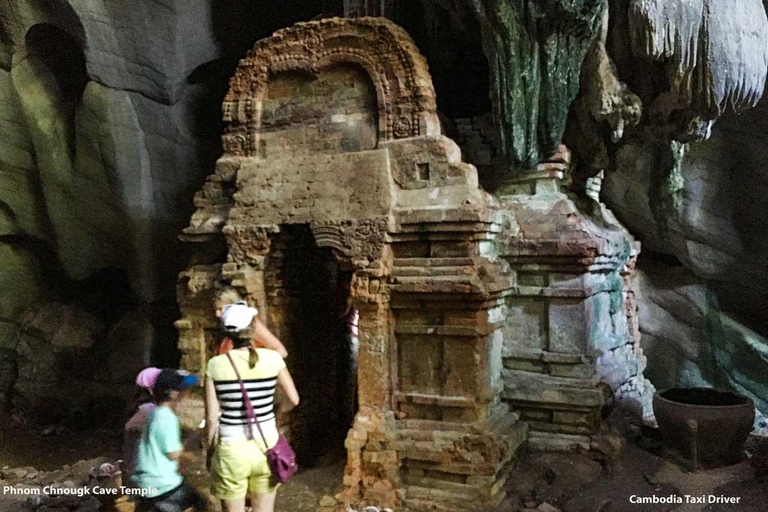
(748, 401)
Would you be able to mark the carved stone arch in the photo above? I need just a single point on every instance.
(355, 243)
(399, 73)
(333, 236)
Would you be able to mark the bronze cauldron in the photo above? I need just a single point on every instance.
(707, 426)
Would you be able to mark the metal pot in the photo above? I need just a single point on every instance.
(707, 426)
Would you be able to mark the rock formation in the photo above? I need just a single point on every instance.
(694, 205)
(535, 49)
(110, 121)
(427, 179)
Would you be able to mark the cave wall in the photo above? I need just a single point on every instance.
(686, 178)
(702, 282)
(111, 120)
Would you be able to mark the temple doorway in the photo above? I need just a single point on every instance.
(308, 308)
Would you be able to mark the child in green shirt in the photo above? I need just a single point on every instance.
(157, 466)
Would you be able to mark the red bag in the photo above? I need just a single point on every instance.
(281, 457)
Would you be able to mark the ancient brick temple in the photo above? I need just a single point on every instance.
(485, 321)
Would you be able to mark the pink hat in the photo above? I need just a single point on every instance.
(147, 377)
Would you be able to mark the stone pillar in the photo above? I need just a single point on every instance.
(374, 356)
(457, 440)
(566, 321)
(372, 474)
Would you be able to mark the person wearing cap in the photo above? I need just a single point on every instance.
(261, 336)
(133, 429)
(237, 460)
(157, 462)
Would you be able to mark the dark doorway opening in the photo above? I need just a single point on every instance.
(308, 308)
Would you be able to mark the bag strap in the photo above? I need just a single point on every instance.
(250, 416)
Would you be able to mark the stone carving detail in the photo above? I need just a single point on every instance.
(403, 128)
(358, 242)
(406, 104)
(234, 144)
(248, 245)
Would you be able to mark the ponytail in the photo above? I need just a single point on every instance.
(253, 357)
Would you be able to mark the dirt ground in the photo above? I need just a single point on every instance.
(573, 483)
(48, 450)
(564, 482)
(302, 494)
(645, 468)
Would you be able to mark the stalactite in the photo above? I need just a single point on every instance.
(716, 56)
(535, 49)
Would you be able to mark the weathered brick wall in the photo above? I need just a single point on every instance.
(311, 189)
(332, 112)
(477, 138)
(316, 151)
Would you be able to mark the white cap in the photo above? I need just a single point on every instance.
(238, 316)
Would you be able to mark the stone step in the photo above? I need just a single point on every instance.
(427, 498)
(447, 330)
(542, 389)
(430, 451)
(432, 271)
(432, 262)
(434, 399)
(466, 495)
(432, 425)
(479, 485)
(560, 428)
(502, 420)
(435, 437)
(437, 284)
(547, 357)
(551, 442)
(431, 506)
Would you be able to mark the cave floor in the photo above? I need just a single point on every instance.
(566, 482)
(48, 449)
(575, 483)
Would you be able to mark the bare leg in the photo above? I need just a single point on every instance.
(233, 505)
(263, 502)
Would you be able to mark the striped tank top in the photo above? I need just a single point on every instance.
(260, 383)
(261, 393)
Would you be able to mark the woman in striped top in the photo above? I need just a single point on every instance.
(238, 463)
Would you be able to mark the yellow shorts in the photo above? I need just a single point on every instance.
(240, 467)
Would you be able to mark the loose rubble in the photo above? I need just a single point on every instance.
(87, 486)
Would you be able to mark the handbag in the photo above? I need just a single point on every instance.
(281, 457)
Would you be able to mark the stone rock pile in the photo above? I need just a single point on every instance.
(30, 485)
(329, 503)
(63, 504)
